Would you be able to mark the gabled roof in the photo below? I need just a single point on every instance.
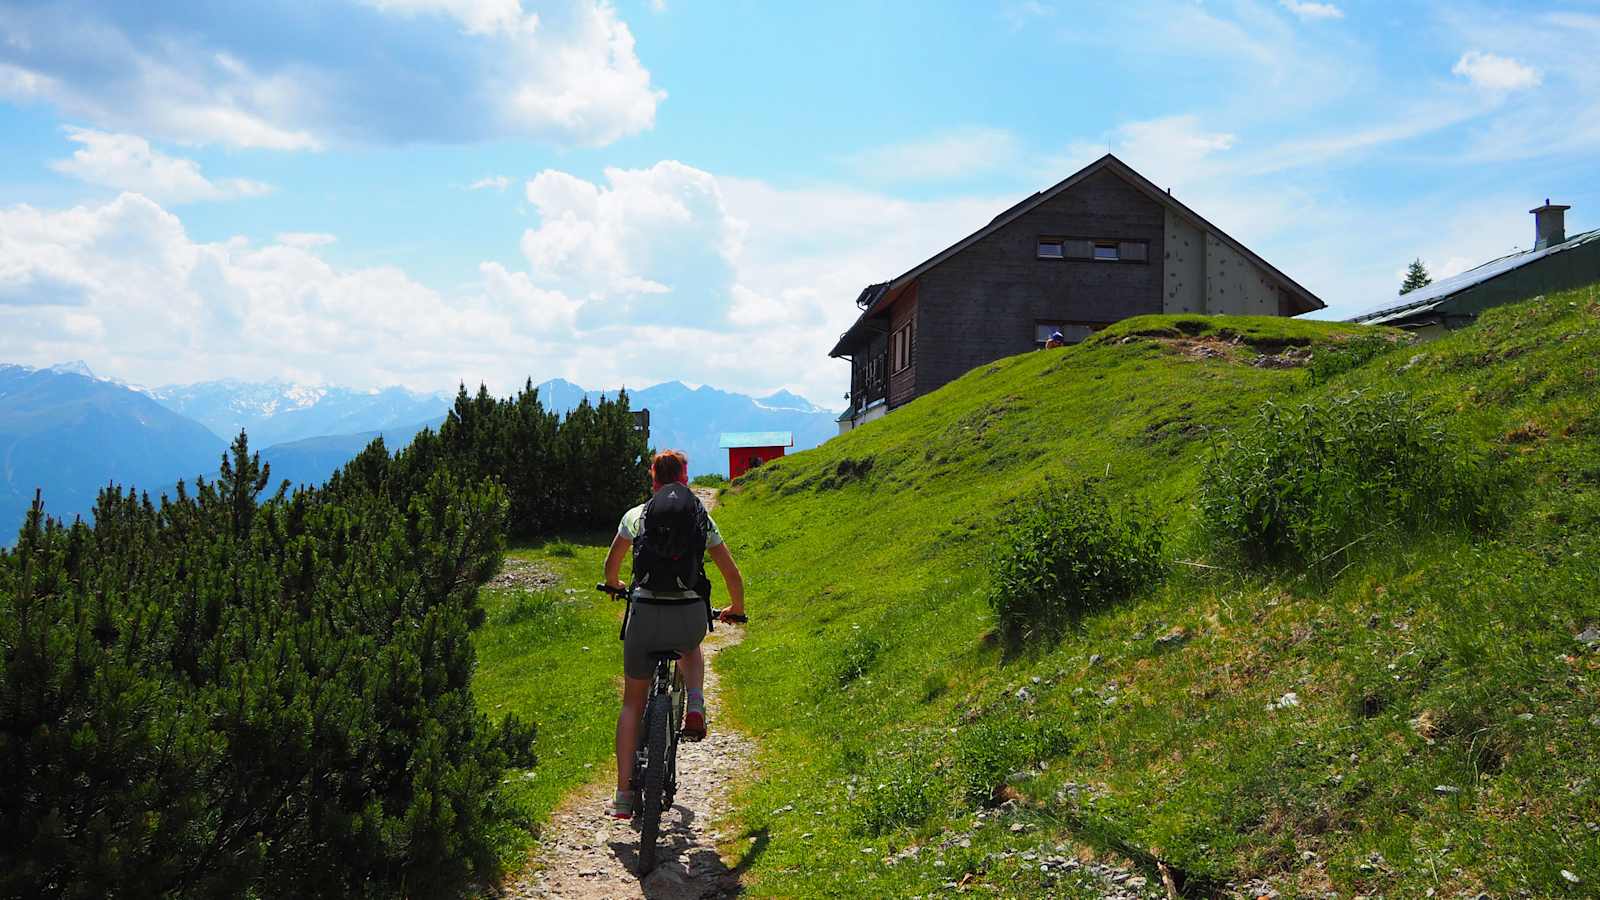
(1306, 300)
(1426, 298)
(737, 439)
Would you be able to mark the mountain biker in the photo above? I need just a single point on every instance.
(663, 620)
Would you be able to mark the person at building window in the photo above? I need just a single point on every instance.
(1055, 340)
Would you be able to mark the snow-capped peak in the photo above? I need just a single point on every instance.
(75, 367)
(786, 400)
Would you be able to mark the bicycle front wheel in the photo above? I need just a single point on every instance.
(657, 723)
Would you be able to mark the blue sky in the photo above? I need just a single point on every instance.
(425, 191)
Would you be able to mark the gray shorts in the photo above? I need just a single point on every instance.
(654, 627)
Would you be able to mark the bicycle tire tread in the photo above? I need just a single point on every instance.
(657, 721)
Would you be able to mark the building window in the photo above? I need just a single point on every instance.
(900, 350)
(1097, 249)
(1071, 332)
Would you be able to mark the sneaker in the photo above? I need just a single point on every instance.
(621, 805)
(694, 725)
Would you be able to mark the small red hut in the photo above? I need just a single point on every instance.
(748, 449)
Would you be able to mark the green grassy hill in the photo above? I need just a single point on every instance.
(1423, 718)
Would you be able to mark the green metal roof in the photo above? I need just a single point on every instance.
(733, 439)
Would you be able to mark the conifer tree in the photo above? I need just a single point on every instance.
(1416, 276)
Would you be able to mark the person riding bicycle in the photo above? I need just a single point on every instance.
(664, 617)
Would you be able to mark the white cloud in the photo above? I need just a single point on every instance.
(491, 182)
(589, 88)
(127, 162)
(665, 272)
(383, 72)
(1162, 149)
(956, 154)
(1309, 10)
(479, 16)
(305, 240)
(182, 309)
(1024, 14)
(661, 233)
(1495, 73)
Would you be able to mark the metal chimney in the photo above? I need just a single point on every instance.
(1549, 225)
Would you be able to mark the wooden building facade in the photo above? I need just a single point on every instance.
(1100, 246)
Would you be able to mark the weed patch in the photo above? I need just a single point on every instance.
(561, 549)
(1068, 554)
(1302, 484)
(1352, 354)
(856, 658)
(988, 754)
(897, 793)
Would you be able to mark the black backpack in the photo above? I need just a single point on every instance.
(669, 553)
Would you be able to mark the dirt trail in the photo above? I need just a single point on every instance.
(586, 856)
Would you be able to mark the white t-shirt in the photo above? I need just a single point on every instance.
(632, 525)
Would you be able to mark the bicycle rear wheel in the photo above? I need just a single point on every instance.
(657, 722)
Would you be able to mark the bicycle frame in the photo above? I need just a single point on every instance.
(667, 681)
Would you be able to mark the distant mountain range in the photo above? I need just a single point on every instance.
(693, 419)
(277, 412)
(681, 417)
(70, 433)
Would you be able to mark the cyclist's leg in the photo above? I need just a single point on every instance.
(693, 667)
(636, 669)
(635, 691)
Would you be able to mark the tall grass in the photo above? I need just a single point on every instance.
(1303, 485)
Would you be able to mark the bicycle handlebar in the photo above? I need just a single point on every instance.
(622, 594)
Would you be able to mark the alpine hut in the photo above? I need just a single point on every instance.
(748, 449)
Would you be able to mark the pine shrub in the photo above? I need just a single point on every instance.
(233, 693)
(1069, 553)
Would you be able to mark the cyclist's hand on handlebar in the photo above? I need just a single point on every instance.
(733, 613)
(616, 585)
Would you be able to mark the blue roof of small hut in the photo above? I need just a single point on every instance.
(736, 439)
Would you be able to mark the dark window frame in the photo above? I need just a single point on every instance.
(1115, 243)
(902, 348)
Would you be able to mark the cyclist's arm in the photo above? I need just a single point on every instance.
(730, 574)
(619, 549)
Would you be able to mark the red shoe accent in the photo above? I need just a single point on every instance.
(694, 725)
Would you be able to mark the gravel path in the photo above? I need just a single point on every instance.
(586, 856)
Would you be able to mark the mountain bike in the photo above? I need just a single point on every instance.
(655, 763)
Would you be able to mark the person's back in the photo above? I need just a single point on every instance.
(670, 602)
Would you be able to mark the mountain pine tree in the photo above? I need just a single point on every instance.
(1416, 276)
(238, 692)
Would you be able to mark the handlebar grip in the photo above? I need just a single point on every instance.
(723, 616)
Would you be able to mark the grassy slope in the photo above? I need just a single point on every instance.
(1437, 661)
(532, 661)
